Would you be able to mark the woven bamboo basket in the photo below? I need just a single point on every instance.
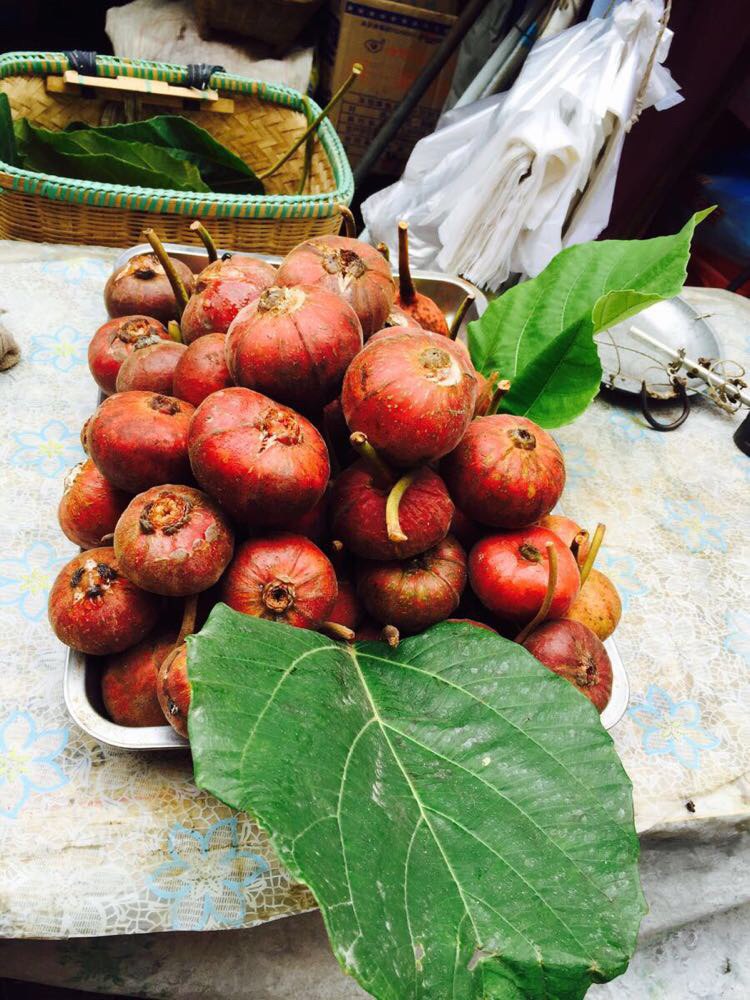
(265, 122)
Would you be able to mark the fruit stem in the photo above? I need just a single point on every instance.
(547, 602)
(337, 631)
(338, 557)
(501, 389)
(180, 293)
(187, 626)
(350, 224)
(596, 544)
(365, 450)
(206, 240)
(406, 290)
(391, 635)
(466, 304)
(356, 70)
(392, 523)
(382, 249)
(577, 545)
(175, 333)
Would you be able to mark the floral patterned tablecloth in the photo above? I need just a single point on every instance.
(96, 841)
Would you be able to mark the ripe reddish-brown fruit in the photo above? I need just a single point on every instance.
(221, 290)
(411, 394)
(573, 651)
(173, 689)
(129, 682)
(354, 270)
(202, 369)
(347, 609)
(313, 524)
(467, 532)
(139, 439)
(90, 506)
(282, 577)
(424, 311)
(173, 540)
(150, 368)
(506, 472)
(598, 605)
(398, 318)
(294, 345)
(509, 574)
(565, 529)
(358, 504)
(415, 593)
(115, 340)
(264, 463)
(141, 286)
(94, 608)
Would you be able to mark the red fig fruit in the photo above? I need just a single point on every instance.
(173, 540)
(415, 593)
(506, 472)
(90, 506)
(95, 609)
(412, 395)
(264, 463)
(202, 369)
(313, 524)
(294, 345)
(424, 310)
(129, 682)
(351, 269)
(358, 513)
(141, 286)
(397, 317)
(569, 532)
(466, 531)
(139, 439)
(221, 290)
(115, 340)
(150, 368)
(282, 577)
(173, 689)
(509, 574)
(347, 609)
(598, 605)
(573, 651)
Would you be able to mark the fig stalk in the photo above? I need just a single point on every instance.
(189, 615)
(547, 602)
(391, 635)
(466, 303)
(336, 631)
(392, 523)
(406, 290)
(206, 239)
(356, 70)
(350, 223)
(365, 450)
(596, 544)
(579, 545)
(175, 333)
(501, 389)
(382, 248)
(180, 292)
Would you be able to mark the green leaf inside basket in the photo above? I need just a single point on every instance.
(8, 152)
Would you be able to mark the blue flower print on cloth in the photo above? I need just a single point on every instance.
(672, 728)
(206, 876)
(697, 527)
(50, 451)
(27, 762)
(629, 425)
(26, 581)
(626, 574)
(737, 639)
(78, 270)
(65, 349)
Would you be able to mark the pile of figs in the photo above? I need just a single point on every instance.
(309, 444)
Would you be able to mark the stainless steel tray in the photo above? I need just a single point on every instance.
(82, 687)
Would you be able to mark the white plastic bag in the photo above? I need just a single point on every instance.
(488, 193)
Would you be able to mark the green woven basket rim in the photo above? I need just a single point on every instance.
(165, 201)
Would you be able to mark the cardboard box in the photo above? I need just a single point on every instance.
(394, 42)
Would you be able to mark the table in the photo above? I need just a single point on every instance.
(97, 842)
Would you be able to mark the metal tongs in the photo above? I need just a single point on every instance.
(728, 389)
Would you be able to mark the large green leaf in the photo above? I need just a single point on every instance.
(87, 156)
(458, 810)
(221, 169)
(7, 138)
(540, 333)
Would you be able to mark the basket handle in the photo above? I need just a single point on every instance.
(82, 61)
